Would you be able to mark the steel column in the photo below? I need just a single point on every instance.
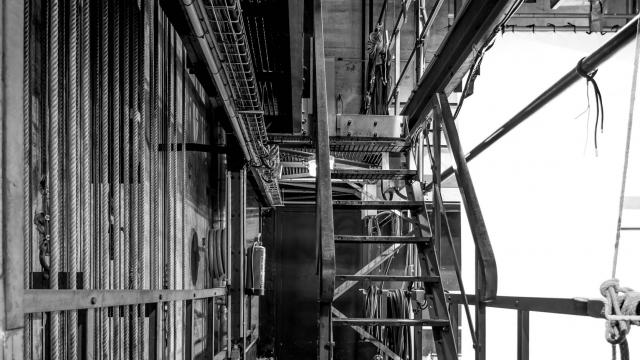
(237, 180)
(324, 211)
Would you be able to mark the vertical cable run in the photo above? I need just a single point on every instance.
(85, 151)
(184, 169)
(126, 117)
(135, 185)
(73, 172)
(154, 155)
(170, 183)
(115, 175)
(26, 221)
(104, 184)
(54, 173)
(142, 193)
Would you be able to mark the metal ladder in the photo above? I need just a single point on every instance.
(438, 315)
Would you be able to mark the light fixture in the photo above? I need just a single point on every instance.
(312, 165)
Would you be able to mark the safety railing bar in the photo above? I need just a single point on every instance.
(427, 27)
(564, 306)
(437, 195)
(37, 301)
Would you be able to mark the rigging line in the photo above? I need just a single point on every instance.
(626, 151)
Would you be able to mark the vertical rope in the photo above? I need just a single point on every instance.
(126, 107)
(184, 169)
(54, 173)
(135, 185)
(73, 172)
(26, 220)
(171, 79)
(155, 158)
(632, 103)
(142, 193)
(115, 175)
(174, 191)
(104, 184)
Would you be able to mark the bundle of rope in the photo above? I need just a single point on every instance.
(396, 338)
(622, 306)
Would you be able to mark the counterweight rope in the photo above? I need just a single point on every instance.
(621, 304)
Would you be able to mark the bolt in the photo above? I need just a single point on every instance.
(375, 123)
(160, 297)
(93, 300)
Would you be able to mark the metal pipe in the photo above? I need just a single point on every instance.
(215, 69)
(73, 172)
(589, 63)
(54, 172)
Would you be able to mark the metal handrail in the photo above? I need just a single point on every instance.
(589, 64)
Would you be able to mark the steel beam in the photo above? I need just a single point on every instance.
(237, 211)
(39, 301)
(324, 210)
(473, 26)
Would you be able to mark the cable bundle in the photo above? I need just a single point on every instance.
(599, 107)
(396, 338)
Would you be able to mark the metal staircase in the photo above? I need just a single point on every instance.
(438, 315)
(426, 219)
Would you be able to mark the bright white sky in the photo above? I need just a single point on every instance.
(549, 203)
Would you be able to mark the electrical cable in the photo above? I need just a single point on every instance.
(477, 61)
(590, 77)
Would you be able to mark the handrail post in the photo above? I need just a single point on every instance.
(326, 265)
(523, 335)
(486, 260)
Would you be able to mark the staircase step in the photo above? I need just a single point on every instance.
(343, 143)
(429, 279)
(373, 174)
(377, 205)
(389, 322)
(363, 239)
(368, 144)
